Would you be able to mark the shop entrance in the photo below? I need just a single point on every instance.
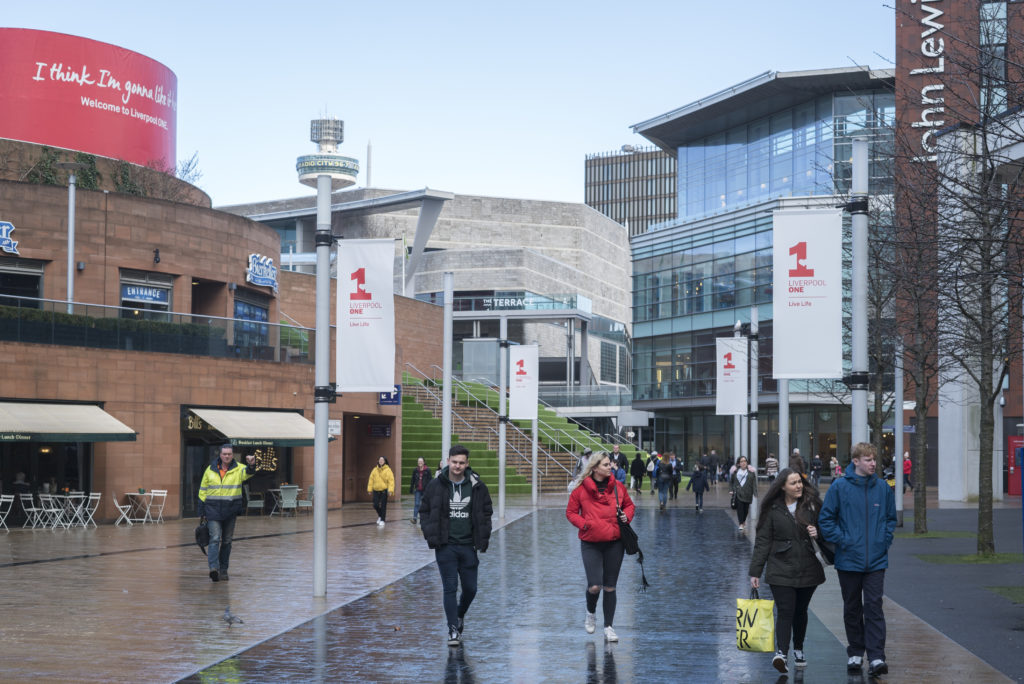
(365, 439)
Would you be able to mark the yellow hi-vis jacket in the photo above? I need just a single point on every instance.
(381, 478)
(221, 498)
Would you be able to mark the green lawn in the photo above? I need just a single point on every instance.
(939, 534)
(971, 558)
(1015, 594)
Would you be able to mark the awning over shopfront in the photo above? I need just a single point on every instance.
(259, 428)
(28, 422)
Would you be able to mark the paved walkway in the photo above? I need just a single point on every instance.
(76, 603)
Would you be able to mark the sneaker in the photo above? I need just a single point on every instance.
(380, 523)
(779, 662)
(610, 635)
(741, 528)
(853, 664)
(453, 636)
(215, 576)
(460, 625)
(590, 623)
(877, 667)
(412, 520)
(798, 658)
(224, 576)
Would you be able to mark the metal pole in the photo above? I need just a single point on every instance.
(753, 405)
(533, 452)
(502, 411)
(859, 361)
(783, 423)
(737, 421)
(897, 429)
(322, 372)
(71, 242)
(446, 381)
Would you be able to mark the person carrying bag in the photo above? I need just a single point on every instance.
(755, 628)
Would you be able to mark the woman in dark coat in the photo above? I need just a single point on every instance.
(743, 481)
(785, 528)
(699, 483)
(637, 469)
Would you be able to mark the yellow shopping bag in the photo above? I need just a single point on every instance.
(755, 624)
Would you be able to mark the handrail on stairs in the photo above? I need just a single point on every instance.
(548, 457)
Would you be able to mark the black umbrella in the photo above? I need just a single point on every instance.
(202, 535)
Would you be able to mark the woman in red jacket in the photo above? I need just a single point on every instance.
(597, 503)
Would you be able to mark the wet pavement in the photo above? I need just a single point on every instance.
(134, 604)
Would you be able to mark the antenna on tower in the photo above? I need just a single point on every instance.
(327, 133)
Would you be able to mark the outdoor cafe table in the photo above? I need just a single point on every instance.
(140, 503)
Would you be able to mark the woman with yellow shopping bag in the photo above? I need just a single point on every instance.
(785, 529)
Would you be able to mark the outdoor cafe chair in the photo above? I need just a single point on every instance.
(253, 500)
(33, 513)
(89, 509)
(53, 511)
(289, 498)
(156, 505)
(124, 510)
(306, 503)
(73, 509)
(6, 503)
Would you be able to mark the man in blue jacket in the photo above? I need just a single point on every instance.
(859, 516)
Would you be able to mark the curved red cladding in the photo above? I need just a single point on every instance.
(85, 95)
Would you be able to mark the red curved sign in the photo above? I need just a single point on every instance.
(84, 95)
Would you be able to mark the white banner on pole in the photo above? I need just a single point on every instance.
(524, 371)
(807, 279)
(366, 316)
(731, 373)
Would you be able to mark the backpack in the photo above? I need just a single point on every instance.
(650, 466)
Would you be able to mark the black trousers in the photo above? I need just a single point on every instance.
(742, 509)
(862, 613)
(791, 615)
(380, 503)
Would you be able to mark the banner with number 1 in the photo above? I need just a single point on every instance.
(731, 373)
(366, 316)
(523, 382)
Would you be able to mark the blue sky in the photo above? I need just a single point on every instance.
(501, 99)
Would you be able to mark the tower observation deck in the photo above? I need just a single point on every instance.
(327, 134)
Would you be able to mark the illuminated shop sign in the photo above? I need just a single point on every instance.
(261, 272)
(7, 243)
(144, 293)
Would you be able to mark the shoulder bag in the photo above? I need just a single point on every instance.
(630, 541)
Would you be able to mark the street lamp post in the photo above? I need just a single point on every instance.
(71, 167)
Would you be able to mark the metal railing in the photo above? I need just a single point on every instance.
(586, 396)
(98, 326)
(542, 452)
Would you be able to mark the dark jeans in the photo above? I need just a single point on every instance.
(380, 503)
(663, 487)
(673, 491)
(416, 505)
(218, 553)
(791, 604)
(742, 509)
(700, 498)
(457, 563)
(862, 613)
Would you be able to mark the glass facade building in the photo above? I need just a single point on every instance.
(635, 186)
(694, 277)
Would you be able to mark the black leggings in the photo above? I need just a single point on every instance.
(742, 508)
(791, 603)
(380, 503)
(601, 562)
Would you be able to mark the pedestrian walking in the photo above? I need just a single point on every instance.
(381, 485)
(907, 466)
(677, 476)
(620, 472)
(816, 466)
(455, 517)
(663, 475)
(785, 530)
(699, 484)
(833, 466)
(220, 503)
(652, 466)
(421, 477)
(618, 458)
(859, 517)
(596, 506)
(771, 467)
(743, 483)
(637, 469)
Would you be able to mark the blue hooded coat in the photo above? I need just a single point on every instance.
(859, 517)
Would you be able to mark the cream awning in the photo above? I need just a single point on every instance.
(28, 422)
(259, 428)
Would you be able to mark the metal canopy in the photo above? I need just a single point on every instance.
(259, 428)
(30, 422)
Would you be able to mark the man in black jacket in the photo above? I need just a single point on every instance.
(455, 516)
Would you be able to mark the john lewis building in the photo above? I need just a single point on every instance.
(776, 141)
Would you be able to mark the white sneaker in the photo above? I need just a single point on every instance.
(610, 635)
(590, 623)
(798, 658)
(380, 523)
(854, 664)
(779, 662)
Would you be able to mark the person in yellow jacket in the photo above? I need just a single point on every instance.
(381, 484)
(220, 502)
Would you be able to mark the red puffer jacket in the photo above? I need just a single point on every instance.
(593, 512)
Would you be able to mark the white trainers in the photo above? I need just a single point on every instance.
(798, 658)
(854, 664)
(779, 662)
(590, 623)
(610, 635)
(380, 523)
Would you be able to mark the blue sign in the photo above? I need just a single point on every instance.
(262, 272)
(144, 293)
(7, 244)
(393, 398)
